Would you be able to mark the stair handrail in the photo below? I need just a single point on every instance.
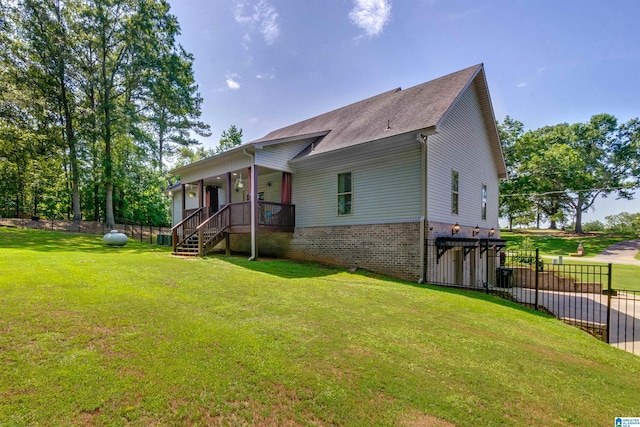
(188, 229)
(216, 224)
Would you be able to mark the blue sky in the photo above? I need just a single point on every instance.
(265, 64)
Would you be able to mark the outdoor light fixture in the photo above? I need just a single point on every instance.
(192, 194)
(239, 182)
(455, 229)
(492, 232)
(475, 231)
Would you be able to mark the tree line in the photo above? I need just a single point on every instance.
(556, 173)
(97, 95)
(94, 96)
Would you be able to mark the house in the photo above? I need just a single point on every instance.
(404, 183)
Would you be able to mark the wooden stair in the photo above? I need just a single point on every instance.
(191, 246)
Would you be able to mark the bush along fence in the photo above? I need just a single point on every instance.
(580, 294)
(141, 232)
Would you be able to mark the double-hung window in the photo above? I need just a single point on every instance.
(483, 207)
(345, 193)
(454, 192)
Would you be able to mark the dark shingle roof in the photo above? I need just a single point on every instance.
(419, 107)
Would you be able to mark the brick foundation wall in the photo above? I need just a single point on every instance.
(273, 245)
(391, 249)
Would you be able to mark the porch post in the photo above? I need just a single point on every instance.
(201, 193)
(229, 189)
(285, 194)
(253, 191)
(254, 209)
(184, 199)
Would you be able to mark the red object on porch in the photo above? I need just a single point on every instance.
(286, 188)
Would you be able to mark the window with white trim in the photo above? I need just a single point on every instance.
(454, 192)
(345, 193)
(483, 211)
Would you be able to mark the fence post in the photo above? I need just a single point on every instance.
(609, 303)
(486, 262)
(537, 275)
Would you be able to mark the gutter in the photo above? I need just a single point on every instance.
(422, 138)
(254, 184)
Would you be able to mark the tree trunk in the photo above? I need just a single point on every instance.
(69, 132)
(578, 228)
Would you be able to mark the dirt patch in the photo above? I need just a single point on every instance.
(423, 420)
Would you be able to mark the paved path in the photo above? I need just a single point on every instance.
(619, 253)
(591, 310)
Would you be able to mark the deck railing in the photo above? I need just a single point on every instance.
(270, 214)
(273, 214)
(213, 228)
(209, 226)
(187, 227)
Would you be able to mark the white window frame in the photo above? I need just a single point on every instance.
(483, 202)
(344, 193)
(455, 192)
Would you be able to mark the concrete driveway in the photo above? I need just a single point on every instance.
(591, 310)
(619, 253)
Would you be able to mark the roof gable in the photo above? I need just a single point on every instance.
(395, 112)
(391, 113)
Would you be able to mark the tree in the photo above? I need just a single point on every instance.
(564, 168)
(123, 37)
(186, 155)
(514, 205)
(229, 139)
(604, 163)
(93, 93)
(46, 55)
(175, 105)
(624, 222)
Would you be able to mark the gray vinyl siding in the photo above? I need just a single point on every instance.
(211, 170)
(385, 187)
(462, 144)
(272, 193)
(278, 156)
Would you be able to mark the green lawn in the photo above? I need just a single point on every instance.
(554, 243)
(99, 336)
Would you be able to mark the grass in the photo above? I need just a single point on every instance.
(554, 243)
(91, 335)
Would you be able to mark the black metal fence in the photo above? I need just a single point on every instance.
(579, 293)
(141, 232)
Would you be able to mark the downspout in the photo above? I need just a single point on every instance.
(422, 139)
(254, 185)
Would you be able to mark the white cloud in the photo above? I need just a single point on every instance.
(521, 85)
(232, 84)
(262, 17)
(265, 76)
(371, 15)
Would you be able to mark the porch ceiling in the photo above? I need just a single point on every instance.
(220, 179)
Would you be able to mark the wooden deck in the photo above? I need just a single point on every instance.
(200, 229)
